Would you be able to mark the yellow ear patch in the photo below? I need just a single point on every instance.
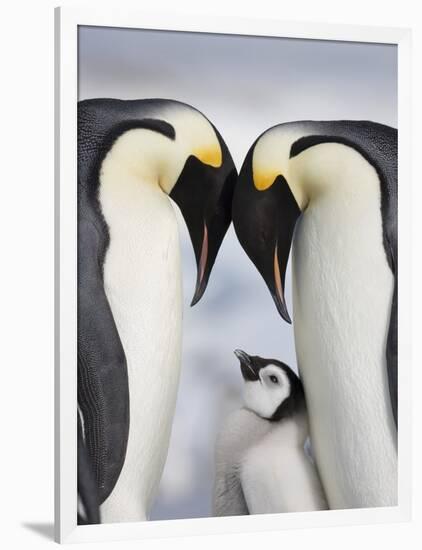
(263, 179)
(209, 155)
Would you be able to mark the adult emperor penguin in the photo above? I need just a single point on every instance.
(133, 156)
(332, 188)
(261, 463)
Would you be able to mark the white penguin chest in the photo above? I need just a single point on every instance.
(142, 281)
(342, 292)
(277, 476)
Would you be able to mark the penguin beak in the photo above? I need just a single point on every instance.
(277, 284)
(204, 195)
(264, 222)
(250, 372)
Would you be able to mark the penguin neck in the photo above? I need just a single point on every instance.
(330, 171)
(134, 181)
(292, 430)
(142, 158)
(130, 201)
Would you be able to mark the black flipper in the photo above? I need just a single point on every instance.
(87, 484)
(103, 390)
(392, 358)
(377, 143)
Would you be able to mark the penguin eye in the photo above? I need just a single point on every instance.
(274, 379)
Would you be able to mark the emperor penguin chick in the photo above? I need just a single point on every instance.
(261, 463)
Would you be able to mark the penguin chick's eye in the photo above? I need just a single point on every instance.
(274, 379)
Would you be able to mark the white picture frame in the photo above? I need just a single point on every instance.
(67, 22)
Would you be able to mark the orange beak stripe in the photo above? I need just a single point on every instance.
(204, 254)
(277, 275)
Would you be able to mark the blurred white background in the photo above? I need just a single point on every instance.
(244, 85)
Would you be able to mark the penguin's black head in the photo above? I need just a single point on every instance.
(204, 194)
(264, 217)
(167, 143)
(272, 390)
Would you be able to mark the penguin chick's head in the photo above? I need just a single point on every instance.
(272, 390)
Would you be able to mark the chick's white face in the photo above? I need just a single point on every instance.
(265, 395)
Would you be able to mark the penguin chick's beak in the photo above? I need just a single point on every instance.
(264, 221)
(204, 195)
(249, 371)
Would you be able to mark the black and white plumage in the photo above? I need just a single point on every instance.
(331, 188)
(261, 463)
(133, 156)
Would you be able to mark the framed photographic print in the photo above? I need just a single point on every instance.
(232, 348)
